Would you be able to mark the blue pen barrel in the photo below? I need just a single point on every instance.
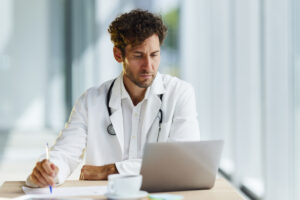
(50, 187)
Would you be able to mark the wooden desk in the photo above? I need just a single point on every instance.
(222, 190)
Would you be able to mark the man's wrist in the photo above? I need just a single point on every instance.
(112, 169)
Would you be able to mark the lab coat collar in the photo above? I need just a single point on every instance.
(124, 93)
(153, 105)
(115, 99)
(116, 117)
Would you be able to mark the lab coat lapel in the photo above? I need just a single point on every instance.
(151, 113)
(117, 121)
(153, 105)
(116, 117)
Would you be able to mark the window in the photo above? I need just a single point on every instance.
(296, 78)
(238, 56)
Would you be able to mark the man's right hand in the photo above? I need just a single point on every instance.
(44, 173)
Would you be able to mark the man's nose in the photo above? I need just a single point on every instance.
(147, 62)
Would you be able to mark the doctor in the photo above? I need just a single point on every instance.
(111, 123)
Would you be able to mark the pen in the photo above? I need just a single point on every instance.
(47, 157)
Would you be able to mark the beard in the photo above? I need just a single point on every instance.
(139, 80)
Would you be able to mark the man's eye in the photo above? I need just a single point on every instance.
(138, 56)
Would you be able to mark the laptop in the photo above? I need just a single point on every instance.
(177, 166)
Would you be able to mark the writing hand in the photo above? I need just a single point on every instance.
(44, 173)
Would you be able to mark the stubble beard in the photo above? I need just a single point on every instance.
(141, 84)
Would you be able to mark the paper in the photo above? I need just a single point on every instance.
(165, 197)
(65, 191)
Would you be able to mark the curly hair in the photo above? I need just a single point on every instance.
(134, 27)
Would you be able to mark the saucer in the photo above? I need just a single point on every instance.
(137, 195)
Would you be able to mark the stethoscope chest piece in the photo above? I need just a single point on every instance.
(111, 130)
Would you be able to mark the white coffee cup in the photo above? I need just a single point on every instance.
(120, 184)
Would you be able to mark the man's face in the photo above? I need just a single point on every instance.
(141, 62)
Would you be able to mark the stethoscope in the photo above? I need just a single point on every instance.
(110, 128)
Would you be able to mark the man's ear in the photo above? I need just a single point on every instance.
(118, 55)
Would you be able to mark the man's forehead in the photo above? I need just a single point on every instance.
(142, 47)
(153, 40)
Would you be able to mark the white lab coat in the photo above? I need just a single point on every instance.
(86, 131)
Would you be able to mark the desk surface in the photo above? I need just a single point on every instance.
(222, 190)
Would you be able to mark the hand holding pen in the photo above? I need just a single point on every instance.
(47, 157)
(44, 173)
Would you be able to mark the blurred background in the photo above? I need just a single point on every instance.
(242, 57)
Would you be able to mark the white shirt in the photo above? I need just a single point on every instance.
(133, 118)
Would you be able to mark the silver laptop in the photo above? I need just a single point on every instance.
(176, 166)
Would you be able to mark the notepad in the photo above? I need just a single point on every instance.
(65, 191)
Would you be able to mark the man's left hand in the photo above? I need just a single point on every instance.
(91, 172)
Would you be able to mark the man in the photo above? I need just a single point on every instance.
(110, 124)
